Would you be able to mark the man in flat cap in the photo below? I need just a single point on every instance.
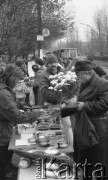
(93, 100)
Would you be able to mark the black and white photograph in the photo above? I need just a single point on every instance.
(54, 89)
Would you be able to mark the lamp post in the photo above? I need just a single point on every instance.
(39, 26)
(91, 34)
(77, 40)
(71, 29)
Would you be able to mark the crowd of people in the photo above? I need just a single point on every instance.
(17, 90)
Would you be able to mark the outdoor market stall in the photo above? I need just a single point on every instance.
(43, 139)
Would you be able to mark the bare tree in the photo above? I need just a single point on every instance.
(101, 22)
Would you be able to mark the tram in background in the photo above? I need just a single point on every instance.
(64, 52)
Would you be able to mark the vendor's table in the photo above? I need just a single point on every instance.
(39, 151)
(29, 173)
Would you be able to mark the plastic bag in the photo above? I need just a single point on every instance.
(85, 133)
(31, 97)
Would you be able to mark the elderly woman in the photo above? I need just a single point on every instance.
(10, 115)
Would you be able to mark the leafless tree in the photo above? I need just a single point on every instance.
(101, 22)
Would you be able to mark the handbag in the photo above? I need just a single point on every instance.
(84, 132)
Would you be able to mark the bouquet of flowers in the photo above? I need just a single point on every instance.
(66, 84)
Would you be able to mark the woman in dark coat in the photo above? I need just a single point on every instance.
(10, 115)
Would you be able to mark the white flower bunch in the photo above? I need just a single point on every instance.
(59, 81)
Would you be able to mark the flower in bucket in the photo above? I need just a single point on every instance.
(65, 84)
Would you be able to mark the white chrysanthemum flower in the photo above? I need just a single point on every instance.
(51, 77)
(61, 73)
(63, 81)
(60, 90)
(51, 88)
(53, 82)
(74, 79)
(66, 84)
(61, 84)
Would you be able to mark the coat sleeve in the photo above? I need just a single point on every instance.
(100, 105)
(10, 112)
(68, 111)
(48, 95)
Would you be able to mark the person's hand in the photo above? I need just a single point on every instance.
(38, 112)
(63, 100)
(55, 112)
(72, 102)
(30, 83)
(80, 106)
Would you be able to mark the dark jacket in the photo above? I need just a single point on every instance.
(38, 97)
(48, 95)
(95, 96)
(9, 114)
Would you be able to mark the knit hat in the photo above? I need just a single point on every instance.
(35, 67)
(83, 65)
(19, 62)
(40, 62)
(51, 58)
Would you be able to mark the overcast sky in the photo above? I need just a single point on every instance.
(85, 10)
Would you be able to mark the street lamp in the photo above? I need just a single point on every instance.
(71, 29)
(77, 39)
(39, 26)
(91, 33)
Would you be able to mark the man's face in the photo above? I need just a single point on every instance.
(82, 76)
(52, 67)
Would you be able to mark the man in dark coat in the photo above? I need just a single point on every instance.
(93, 98)
(48, 95)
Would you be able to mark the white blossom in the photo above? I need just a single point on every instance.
(62, 79)
(60, 90)
(51, 88)
(54, 82)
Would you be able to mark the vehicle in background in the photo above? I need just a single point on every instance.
(64, 52)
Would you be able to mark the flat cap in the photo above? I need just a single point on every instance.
(83, 65)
